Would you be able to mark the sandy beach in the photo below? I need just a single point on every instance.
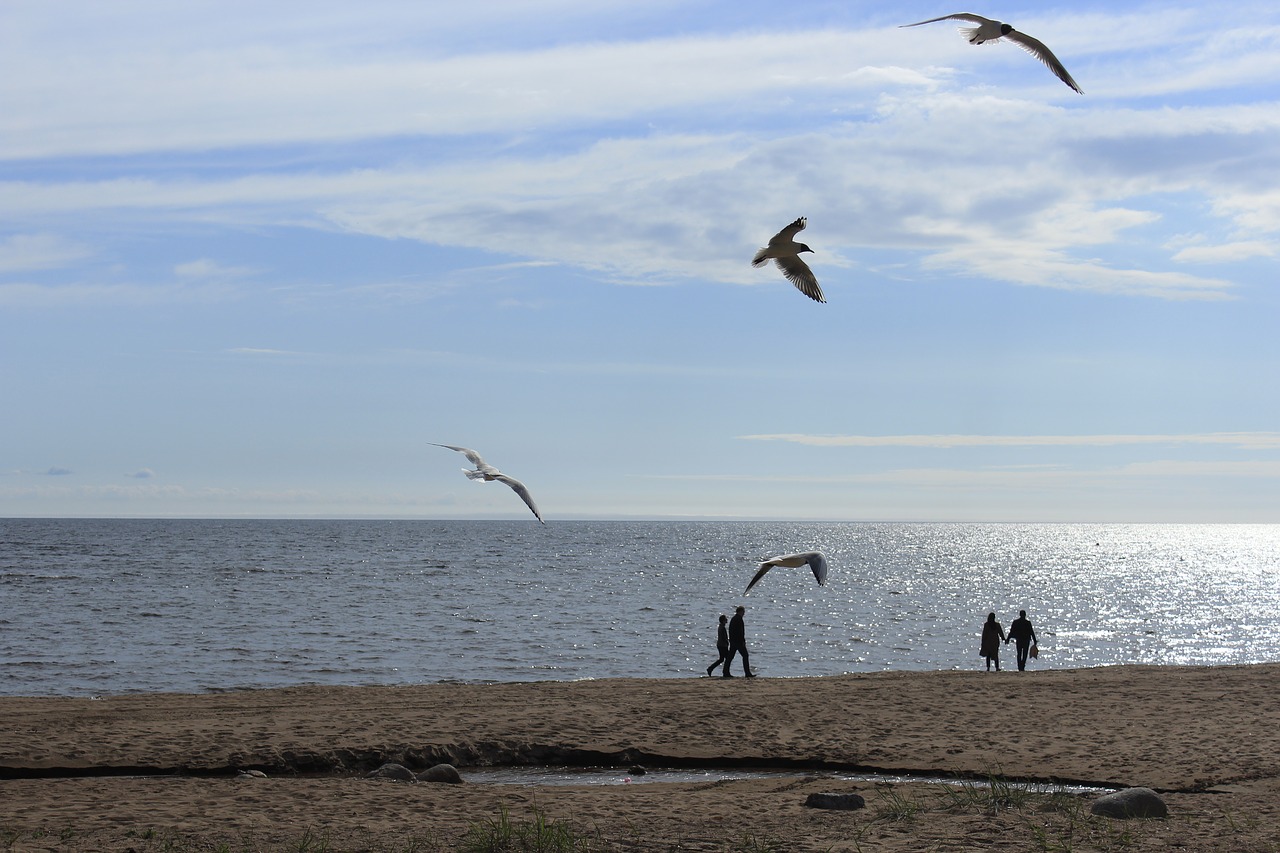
(159, 771)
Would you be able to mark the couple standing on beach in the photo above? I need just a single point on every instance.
(1021, 632)
(732, 641)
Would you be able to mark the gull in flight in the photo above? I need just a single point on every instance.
(813, 559)
(992, 31)
(785, 252)
(485, 471)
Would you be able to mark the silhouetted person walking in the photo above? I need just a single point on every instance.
(1023, 636)
(738, 643)
(722, 645)
(992, 635)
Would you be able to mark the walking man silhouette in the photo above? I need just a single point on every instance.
(1023, 636)
(738, 643)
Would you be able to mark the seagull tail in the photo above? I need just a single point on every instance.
(473, 475)
(761, 258)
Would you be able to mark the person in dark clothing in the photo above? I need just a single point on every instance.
(738, 643)
(1023, 636)
(992, 635)
(722, 645)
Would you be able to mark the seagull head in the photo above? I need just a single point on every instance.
(804, 247)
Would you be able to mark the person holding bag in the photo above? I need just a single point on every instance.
(1024, 638)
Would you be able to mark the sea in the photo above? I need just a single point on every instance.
(115, 606)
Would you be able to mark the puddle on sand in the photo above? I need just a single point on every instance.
(549, 775)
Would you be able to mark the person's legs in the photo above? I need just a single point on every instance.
(746, 662)
(728, 660)
(1023, 649)
(723, 659)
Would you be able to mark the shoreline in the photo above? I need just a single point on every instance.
(1208, 738)
(691, 675)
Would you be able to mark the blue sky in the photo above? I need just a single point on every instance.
(254, 257)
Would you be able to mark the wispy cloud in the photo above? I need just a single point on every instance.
(1019, 476)
(25, 252)
(393, 72)
(268, 352)
(1242, 440)
(86, 295)
(1226, 252)
(204, 268)
(289, 93)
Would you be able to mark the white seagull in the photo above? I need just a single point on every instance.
(992, 31)
(785, 252)
(813, 559)
(485, 471)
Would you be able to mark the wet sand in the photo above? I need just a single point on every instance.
(158, 771)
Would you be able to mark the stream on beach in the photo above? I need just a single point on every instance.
(549, 775)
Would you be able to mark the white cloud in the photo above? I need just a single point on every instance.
(998, 183)
(267, 352)
(77, 295)
(678, 206)
(1066, 476)
(1242, 440)
(208, 269)
(190, 80)
(1251, 469)
(1013, 477)
(270, 95)
(1255, 209)
(25, 252)
(1225, 252)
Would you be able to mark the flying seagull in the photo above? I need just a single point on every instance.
(785, 252)
(813, 559)
(992, 31)
(485, 471)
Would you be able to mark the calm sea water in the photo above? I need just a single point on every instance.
(117, 606)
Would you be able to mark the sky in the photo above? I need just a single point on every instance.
(256, 258)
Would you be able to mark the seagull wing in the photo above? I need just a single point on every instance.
(519, 488)
(958, 16)
(1036, 48)
(787, 235)
(799, 274)
(764, 570)
(474, 458)
(818, 562)
(815, 560)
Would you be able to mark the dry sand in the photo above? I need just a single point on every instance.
(157, 772)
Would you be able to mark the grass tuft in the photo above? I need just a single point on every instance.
(501, 834)
(895, 806)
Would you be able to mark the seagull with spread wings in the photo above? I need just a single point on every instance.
(785, 252)
(992, 31)
(815, 560)
(485, 471)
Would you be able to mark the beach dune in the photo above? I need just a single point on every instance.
(83, 773)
